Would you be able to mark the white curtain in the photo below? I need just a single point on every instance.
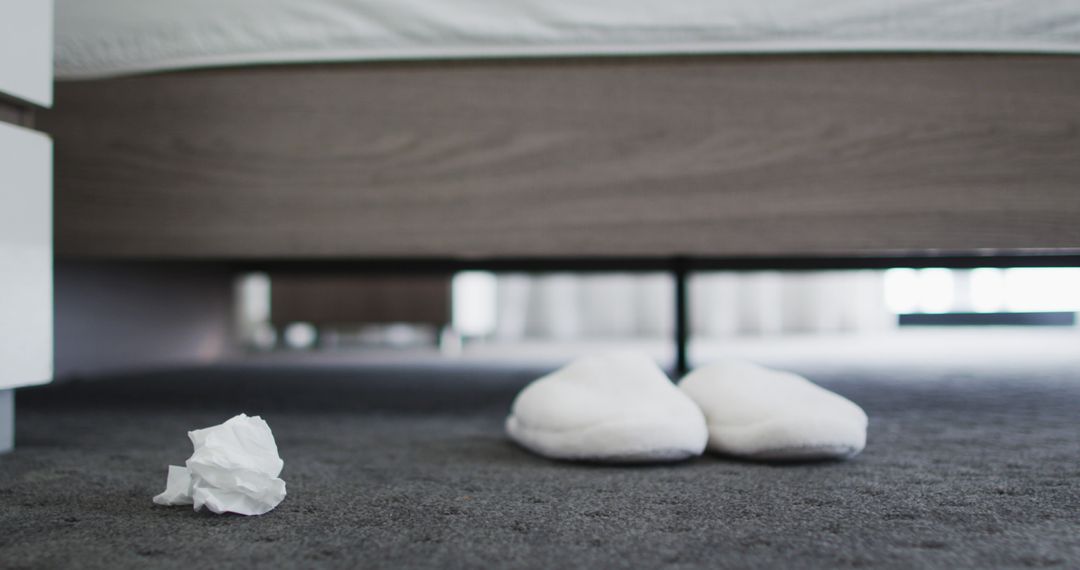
(563, 306)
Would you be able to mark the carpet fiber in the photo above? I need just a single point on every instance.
(394, 468)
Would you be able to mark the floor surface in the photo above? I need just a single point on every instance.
(389, 467)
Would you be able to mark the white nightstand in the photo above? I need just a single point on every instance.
(26, 253)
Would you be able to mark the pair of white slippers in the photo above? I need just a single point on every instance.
(622, 408)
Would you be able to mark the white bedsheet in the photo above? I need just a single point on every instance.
(113, 37)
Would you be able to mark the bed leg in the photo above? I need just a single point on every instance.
(7, 420)
(682, 316)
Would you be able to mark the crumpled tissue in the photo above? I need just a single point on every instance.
(234, 469)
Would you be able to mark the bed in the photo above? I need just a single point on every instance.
(378, 129)
(390, 136)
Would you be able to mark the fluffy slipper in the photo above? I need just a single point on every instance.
(758, 413)
(611, 408)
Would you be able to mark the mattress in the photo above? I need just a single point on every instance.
(97, 38)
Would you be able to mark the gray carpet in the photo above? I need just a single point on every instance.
(391, 469)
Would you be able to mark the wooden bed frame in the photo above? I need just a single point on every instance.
(698, 157)
(669, 163)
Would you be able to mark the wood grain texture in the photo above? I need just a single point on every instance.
(715, 156)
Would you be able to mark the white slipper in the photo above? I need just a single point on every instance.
(611, 408)
(758, 413)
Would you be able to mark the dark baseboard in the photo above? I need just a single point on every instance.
(1029, 319)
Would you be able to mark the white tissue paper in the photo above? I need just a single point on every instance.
(234, 469)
